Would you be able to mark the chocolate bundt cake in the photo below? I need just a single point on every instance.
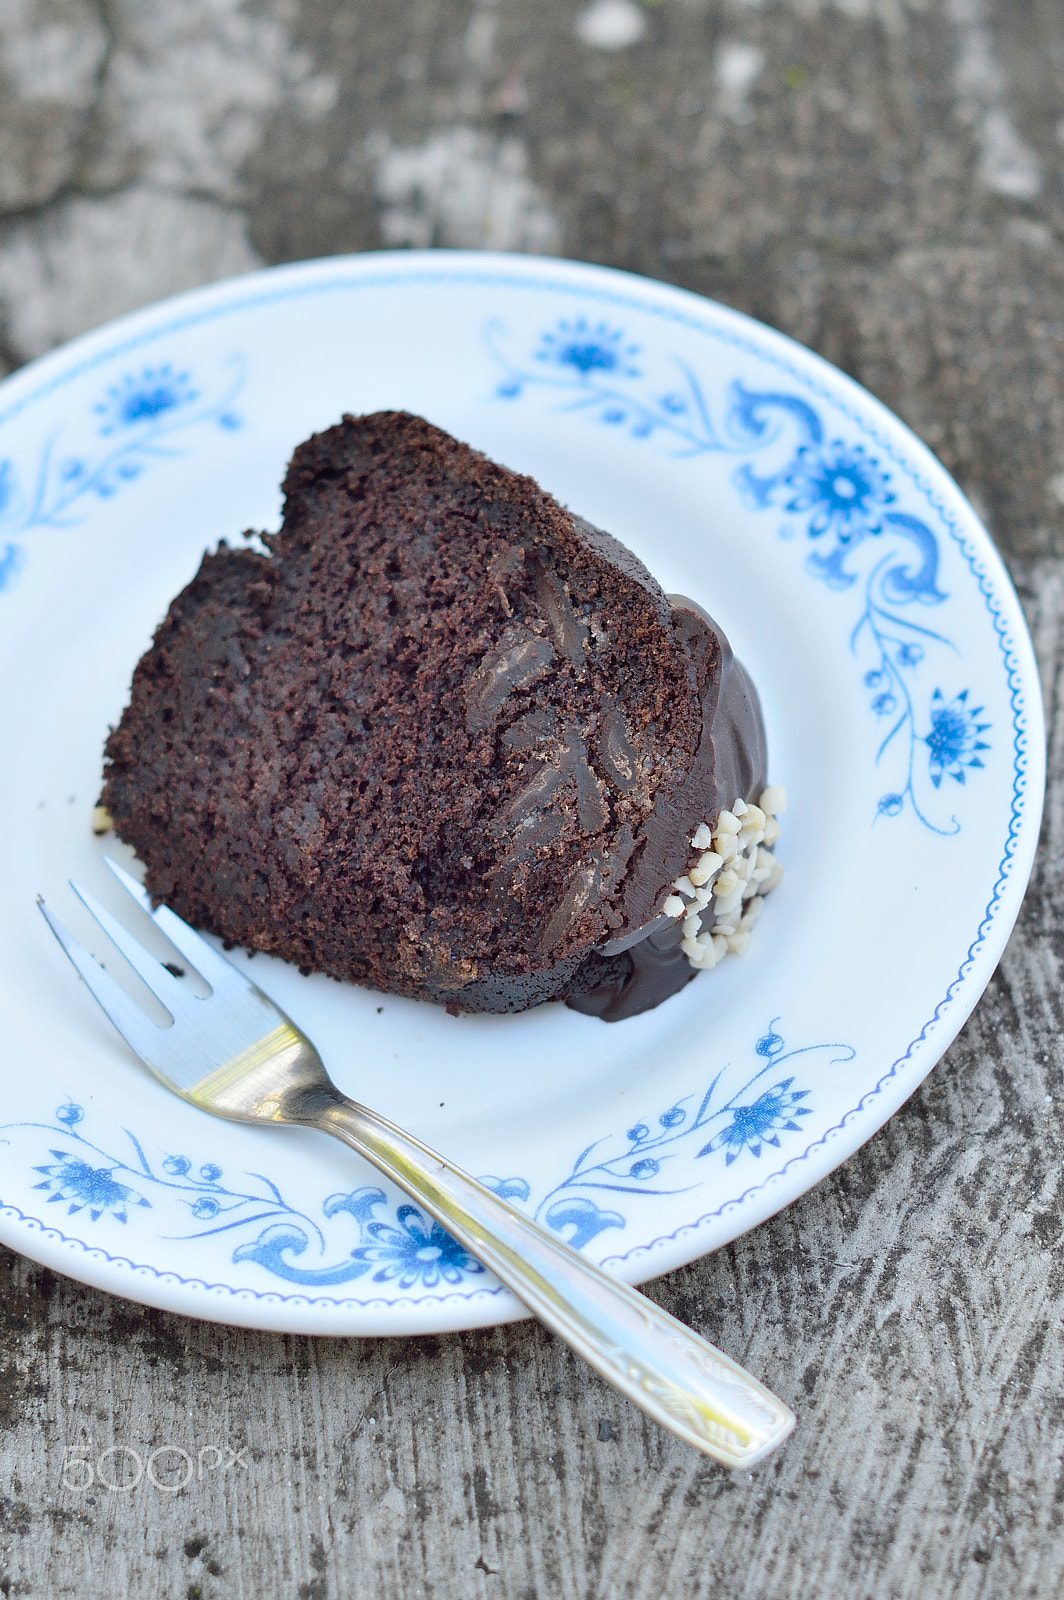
(444, 738)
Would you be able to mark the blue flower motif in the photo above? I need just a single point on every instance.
(637, 1134)
(205, 1207)
(760, 1123)
(417, 1251)
(133, 416)
(670, 1118)
(890, 805)
(844, 487)
(142, 397)
(71, 1178)
(954, 741)
(910, 655)
(177, 1166)
(646, 1168)
(209, 1172)
(589, 349)
(770, 1044)
(883, 704)
(71, 1113)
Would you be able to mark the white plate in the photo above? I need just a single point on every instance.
(903, 713)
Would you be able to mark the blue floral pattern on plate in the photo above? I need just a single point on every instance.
(838, 492)
(405, 1247)
(192, 1199)
(954, 741)
(137, 421)
(72, 1179)
(656, 1154)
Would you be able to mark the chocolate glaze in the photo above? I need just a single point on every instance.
(646, 965)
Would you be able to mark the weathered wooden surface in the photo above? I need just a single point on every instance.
(882, 179)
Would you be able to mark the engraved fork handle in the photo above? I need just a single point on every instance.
(675, 1376)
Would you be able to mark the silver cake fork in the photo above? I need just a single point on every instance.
(237, 1055)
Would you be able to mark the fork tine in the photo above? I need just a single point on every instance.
(168, 990)
(211, 966)
(136, 1028)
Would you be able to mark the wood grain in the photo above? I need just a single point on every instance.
(886, 188)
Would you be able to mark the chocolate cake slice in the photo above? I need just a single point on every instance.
(445, 738)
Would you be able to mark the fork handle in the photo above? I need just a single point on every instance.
(675, 1376)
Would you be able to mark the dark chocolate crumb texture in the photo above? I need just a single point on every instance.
(446, 739)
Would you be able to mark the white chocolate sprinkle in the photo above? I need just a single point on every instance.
(707, 864)
(734, 870)
(753, 911)
(773, 879)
